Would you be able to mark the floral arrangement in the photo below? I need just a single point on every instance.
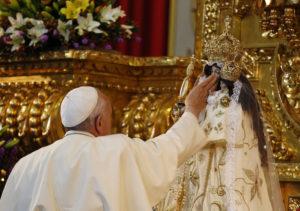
(8, 156)
(35, 25)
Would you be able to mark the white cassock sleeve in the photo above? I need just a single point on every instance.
(110, 173)
(159, 158)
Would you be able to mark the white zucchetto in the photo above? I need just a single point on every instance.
(78, 105)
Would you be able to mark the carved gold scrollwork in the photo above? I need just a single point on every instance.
(211, 16)
(294, 203)
(288, 171)
(24, 112)
(252, 59)
(281, 149)
(242, 8)
(287, 84)
(35, 113)
(50, 115)
(147, 115)
(139, 88)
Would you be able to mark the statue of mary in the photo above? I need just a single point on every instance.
(235, 171)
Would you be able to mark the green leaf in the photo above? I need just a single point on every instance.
(61, 2)
(30, 6)
(92, 7)
(27, 13)
(14, 142)
(3, 129)
(55, 6)
(14, 4)
(5, 13)
(2, 142)
(47, 15)
(4, 6)
(33, 8)
(111, 2)
(48, 9)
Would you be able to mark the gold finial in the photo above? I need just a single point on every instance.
(190, 68)
(227, 21)
(186, 81)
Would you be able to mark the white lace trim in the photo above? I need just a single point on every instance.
(219, 64)
(236, 91)
(232, 127)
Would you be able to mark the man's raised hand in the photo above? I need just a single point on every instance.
(196, 99)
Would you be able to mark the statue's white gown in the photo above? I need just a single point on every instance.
(227, 174)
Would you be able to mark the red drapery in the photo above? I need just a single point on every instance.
(151, 17)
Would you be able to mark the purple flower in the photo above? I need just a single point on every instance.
(55, 32)
(108, 47)
(92, 45)
(7, 39)
(2, 152)
(84, 41)
(14, 151)
(44, 38)
(76, 44)
(138, 39)
(21, 34)
(120, 39)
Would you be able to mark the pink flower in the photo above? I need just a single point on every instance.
(44, 38)
(55, 32)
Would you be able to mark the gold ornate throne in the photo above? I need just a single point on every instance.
(143, 90)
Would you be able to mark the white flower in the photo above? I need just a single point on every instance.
(16, 40)
(87, 24)
(63, 29)
(16, 23)
(1, 32)
(127, 29)
(36, 31)
(111, 15)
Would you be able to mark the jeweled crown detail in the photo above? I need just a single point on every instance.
(228, 50)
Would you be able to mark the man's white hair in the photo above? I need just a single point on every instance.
(90, 121)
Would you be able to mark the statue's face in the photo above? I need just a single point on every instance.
(215, 71)
(223, 85)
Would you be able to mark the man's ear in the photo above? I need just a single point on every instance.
(98, 125)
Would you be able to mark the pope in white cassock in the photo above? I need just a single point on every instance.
(88, 169)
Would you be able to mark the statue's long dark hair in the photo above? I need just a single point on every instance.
(250, 105)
